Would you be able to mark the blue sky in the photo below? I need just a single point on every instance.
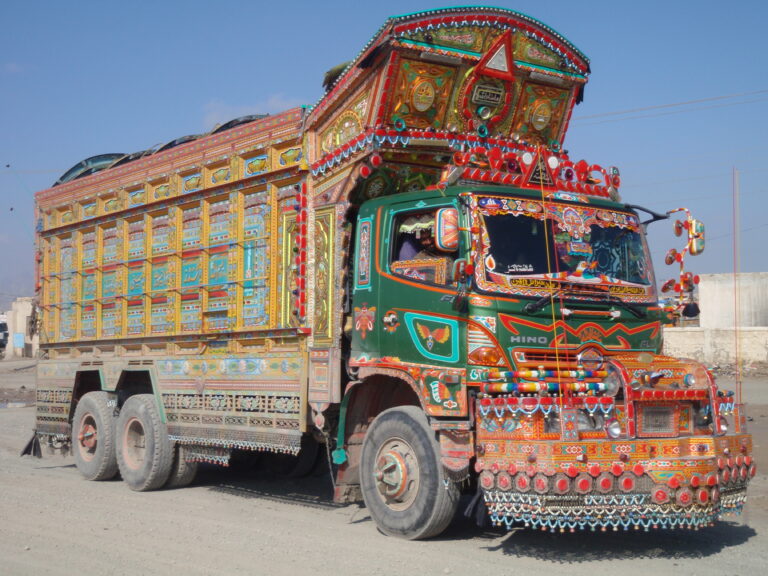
(82, 78)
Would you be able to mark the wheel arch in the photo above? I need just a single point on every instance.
(364, 400)
(133, 382)
(85, 381)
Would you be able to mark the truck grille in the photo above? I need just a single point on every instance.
(657, 421)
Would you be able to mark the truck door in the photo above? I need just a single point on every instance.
(403, 317)
(419, 327)
(419, 323)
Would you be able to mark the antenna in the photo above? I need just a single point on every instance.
(736, 272)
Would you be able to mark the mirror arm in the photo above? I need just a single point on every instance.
(655, 216)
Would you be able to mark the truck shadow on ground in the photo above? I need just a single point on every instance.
(316, 491)
(313, 491)
(587, 546)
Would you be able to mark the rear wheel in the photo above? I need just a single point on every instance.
(182, 472)
(401, 476)
(144, 451)
(93, 437)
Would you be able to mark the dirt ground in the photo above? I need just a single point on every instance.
(54, 522)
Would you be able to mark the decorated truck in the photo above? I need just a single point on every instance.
(412, 275)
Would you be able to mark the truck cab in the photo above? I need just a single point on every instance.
(528, 327)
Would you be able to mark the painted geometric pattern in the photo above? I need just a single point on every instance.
(190, 312)
(110, 320)
(218, 222)
(136, 239)
(136, 319)
(52, 407)
(161, 320)
(88, 322)
(88, 248)
(136, 279)
(256, 286)
(212, 402)
(110, 245)
(88, 287)
(162, 234)
(109, 284)
(278, 367)
(199, 415)
(192, 227)
(256, 268)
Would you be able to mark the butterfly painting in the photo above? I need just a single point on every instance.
(440, 335)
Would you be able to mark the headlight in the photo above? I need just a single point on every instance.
(723, 425)
(486, 356)
(552, 424)
(612, 428)
(697, 378)
(589, 422)
(703, 415)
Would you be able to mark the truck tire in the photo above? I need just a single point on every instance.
(401, 476)
(144, 451)
(182, 471)
(93, 437)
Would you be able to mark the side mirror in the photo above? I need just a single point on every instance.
(447, 229)
(696, 236)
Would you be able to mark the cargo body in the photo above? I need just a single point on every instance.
(412, 271)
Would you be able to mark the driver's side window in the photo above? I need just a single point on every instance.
(415, 254)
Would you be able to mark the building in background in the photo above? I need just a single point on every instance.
(730, 328)
(3, 334)
(20, 344)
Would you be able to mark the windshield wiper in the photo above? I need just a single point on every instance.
(544, 301)
(636, 312)
(533, 307)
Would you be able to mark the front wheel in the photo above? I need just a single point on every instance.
(401, 477)
(144, 451)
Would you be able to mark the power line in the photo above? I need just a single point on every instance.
(691, 179)
(727, 234)
(674, 104)
(723, 195)
(640, 117)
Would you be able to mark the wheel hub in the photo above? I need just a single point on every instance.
(392, 475)
(87, 438)
(397, 474)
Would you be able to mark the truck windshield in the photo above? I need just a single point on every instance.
(523, 240)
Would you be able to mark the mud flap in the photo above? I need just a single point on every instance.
(33, 447)
(455, 453)
(477, 511)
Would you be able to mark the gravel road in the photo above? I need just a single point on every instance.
(54, 522)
